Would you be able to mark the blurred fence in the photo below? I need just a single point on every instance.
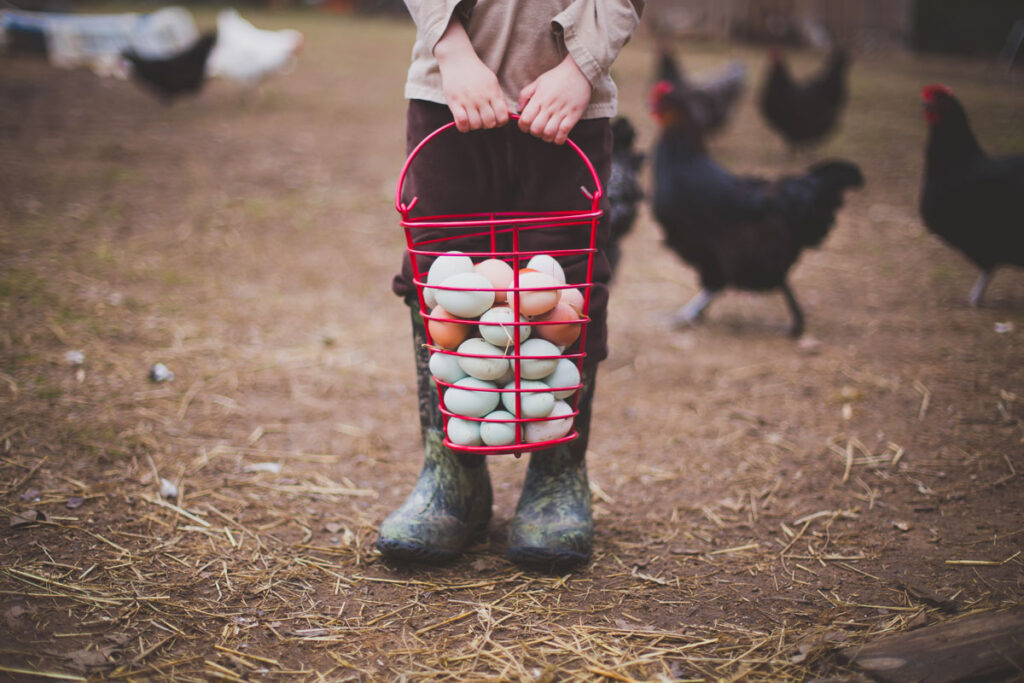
(860, 24)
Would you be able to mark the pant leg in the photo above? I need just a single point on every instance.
(456, 173)
(549, 178)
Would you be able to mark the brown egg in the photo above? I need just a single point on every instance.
(447, 335)
(538, 292)
(574, 298)
(564, 333)
(500, 275)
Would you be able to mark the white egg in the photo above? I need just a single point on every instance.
(498, 433)
(469, 297)
(502, 333)
(494, 366)
(507, 377)
(441, 269)
(546, 264)
(445, 367)
(535, 398)
(566, 374)
(548, 430)
(545, 362)
(464, 432)
(469, 397)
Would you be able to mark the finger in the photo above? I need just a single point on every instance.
(539, 124)
(526, 94)
(474, 118)
(500, 108)
(527, 116)
(551, 129)
(563, 131)
(487, 116)
(461, 119)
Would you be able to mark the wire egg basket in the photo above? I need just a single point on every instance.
(501, 236)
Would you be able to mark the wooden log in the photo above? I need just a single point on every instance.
(987, 646)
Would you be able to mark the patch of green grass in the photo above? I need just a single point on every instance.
(49, 392)
(27, 287)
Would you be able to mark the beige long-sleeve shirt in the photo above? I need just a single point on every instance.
(521, 39)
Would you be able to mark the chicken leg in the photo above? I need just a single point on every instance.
(978, 290)
(693, 310)
(797, 328)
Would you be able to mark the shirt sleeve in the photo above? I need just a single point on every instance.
(594, 32)
(432, 16)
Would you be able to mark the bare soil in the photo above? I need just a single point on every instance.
(760, 503)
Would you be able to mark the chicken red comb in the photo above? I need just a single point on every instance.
(660, 89)
(928, 92)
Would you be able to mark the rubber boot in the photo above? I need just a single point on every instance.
(552, 528)
(451, 501)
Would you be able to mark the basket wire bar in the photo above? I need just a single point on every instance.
(497, 228)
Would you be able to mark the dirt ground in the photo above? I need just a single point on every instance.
(760, 504)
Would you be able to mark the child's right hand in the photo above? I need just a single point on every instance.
(471, 89)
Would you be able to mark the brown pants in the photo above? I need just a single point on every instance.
(504, 170)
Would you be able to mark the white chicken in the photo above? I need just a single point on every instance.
(248, 54)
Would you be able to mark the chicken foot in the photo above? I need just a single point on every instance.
(978, 290)
(690, 313)
(796, 330)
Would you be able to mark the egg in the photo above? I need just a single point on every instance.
(500, 433)
(445, 367)
(545, 360)
(496, 327)
(469, 295)
(574, 298)
(464, 432)
(546, 264)
(500, 275)
(535, 398)
(447, 335)
(537, 292)
(471, 397)
(491, 367)
(550, 429)
(564, 379)
(564, 328)
(443, 267)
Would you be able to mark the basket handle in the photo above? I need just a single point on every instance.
(404, 209)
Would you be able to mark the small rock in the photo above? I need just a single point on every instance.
(1003, 328)
(74, 357)
(168, 489)
(160, 373)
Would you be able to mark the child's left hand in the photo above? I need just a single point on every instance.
(551, 105)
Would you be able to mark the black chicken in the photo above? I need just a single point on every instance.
(711, 99)
(969, 199)
(736, 231)
(180, 74)
(804, 113)
(623, 187)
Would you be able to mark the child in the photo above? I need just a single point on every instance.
(473, 62)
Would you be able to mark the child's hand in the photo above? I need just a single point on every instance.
(551, 105)
(470, 88)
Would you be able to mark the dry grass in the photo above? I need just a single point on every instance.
(758, 505)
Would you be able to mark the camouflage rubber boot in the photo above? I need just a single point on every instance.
(451, 501)
(552, 528)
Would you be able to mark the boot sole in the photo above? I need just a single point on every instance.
(546, 558)
(404, 551)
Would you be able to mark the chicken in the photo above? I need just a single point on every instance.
(623, 188)
(804, 113)
(248, 54)
(736, 231)
(969, 199)
(713, 97)
(180, 74)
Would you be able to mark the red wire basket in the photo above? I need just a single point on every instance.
(501, 232)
